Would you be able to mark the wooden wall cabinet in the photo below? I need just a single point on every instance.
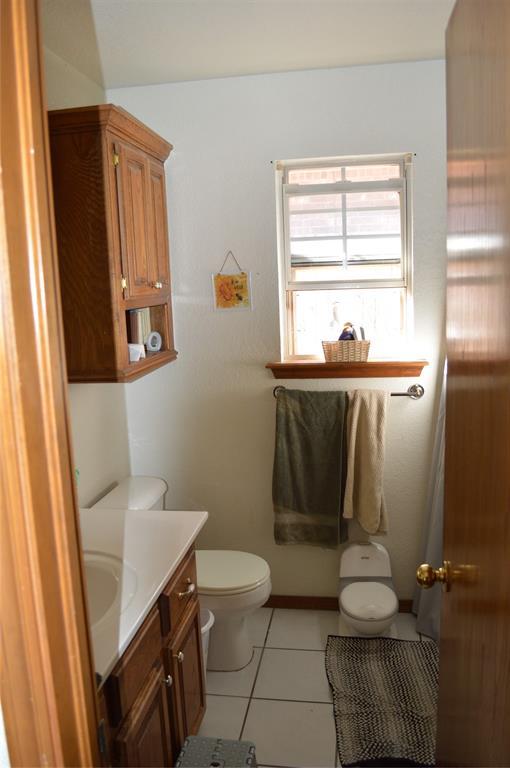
(112, 236)
(155, 695)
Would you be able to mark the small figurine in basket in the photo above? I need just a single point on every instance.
(348, 333)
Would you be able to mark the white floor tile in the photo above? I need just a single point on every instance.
(306, 630)
(291, 733)
(293, 675)
(224, 717)
(403, 628)
(234, 683)
(258, 623)
(344, 629)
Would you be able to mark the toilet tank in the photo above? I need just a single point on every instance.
(365, 559)
(135, 492)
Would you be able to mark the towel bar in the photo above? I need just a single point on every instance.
(415, 392)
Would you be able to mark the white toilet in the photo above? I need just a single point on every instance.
(230, 584)
(366, 597)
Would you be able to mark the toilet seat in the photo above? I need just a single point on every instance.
(227, 572)
(368, 601)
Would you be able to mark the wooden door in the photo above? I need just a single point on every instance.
(474, 698)
(158, 226)
(47, 685)
(132, 179)
(144, 740)
(184, 657)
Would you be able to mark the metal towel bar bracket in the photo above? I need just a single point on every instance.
(415, 392)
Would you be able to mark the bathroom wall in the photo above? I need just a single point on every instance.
(206, 422)
(98, 411)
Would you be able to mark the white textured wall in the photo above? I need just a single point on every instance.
(98, 411)
(66, 86)
(206, 422)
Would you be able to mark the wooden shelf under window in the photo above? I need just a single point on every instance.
(376, 369)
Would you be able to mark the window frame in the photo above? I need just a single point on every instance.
(287, 287)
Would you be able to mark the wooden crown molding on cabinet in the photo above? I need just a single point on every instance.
(47, 682)
(123, 124)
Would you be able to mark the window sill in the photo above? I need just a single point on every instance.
(375, 369)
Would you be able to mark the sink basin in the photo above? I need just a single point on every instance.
(111, 585)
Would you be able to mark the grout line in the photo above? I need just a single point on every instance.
(292, 701)
(251, 692)
(256, 674)
(228, 696)
(307, 650)
(268, 627)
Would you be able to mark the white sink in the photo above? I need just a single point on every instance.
(111, 585)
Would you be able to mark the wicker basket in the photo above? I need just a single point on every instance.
(346, 351)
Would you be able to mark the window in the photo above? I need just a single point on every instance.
(344, 246)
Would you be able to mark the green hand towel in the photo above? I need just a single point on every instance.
(307, 473)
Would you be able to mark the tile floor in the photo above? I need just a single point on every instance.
(281, 700)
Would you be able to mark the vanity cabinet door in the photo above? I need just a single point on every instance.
(145, 737)
(184, 659)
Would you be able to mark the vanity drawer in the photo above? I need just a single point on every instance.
(127, 678)
(178, 594)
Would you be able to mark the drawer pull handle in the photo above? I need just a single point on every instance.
(190, 590)
(157, 285)
(168, 681)
(180, 657)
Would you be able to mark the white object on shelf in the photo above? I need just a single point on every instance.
(136, 352)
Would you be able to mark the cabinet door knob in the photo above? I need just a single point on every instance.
(180, 657)
(168, 681)
(157, 285)
(190, 590)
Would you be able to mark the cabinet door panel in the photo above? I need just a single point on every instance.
(158, 228)
(125, 681)
(188, 674)
(132, 191)
(145, 739)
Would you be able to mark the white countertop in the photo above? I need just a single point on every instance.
(152, 543)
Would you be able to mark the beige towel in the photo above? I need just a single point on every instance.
(366, 422)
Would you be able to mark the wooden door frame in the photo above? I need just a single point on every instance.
(47, 684)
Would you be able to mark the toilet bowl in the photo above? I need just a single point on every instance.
(366, 598)
(230, 584)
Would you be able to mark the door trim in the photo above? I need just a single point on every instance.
(47, 681)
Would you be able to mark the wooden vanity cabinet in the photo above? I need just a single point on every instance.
(112, 236)
(155, 695)
(180, 660)
(145, 738)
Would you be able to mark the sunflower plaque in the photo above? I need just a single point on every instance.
(232, 291)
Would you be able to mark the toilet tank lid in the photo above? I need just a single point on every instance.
(134, 492)
(365, 559)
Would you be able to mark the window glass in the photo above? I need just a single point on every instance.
(320, 315)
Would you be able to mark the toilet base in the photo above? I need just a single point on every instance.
(230, 648)
(368, 628)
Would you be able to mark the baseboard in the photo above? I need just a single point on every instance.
(306, 602)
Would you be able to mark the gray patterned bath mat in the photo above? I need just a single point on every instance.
(384, 700)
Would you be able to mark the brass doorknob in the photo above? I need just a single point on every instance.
(426, 576)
